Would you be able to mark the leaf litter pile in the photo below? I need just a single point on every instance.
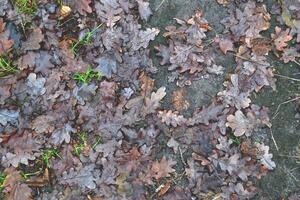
(81, 116)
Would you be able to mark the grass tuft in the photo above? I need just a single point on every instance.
(6, 67)
(28, 7)
(85, 40)
(2, 179)
(48, 154)
(87, 77)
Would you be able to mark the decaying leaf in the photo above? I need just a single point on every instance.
(35, 85)
(82, 177)
(172, 143)
(5, 43)
(152, 103)
(34, 40)
(144, 9)
(179, 100)
(281, 38)
(233, 95)
(108, 11)
(264, 156)
(242, 124)
(62, 135)
(171, 118)
(162, 168)
(226, 45)
(82, 6)
(142, 38)
(9, 117)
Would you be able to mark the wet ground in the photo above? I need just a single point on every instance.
(285, 179)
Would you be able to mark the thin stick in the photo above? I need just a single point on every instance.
(247, 59)
(286, 77)
(161, 3)
(295, 61)
(275, 143)
(283, 103)
(181, 156)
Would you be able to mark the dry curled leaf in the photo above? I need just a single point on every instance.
(226, 45)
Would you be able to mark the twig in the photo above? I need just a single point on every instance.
(161, 3)
(286, 77)
(275, 143)
(296, 62)
(181, 156)
(247, 59)
(283, 103)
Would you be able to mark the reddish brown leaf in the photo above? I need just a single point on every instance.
(281, 38)
(162, 168)
(178, 100)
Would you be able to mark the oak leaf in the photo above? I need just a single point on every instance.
(162, 168)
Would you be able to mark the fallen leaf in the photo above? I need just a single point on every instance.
(82, 177)
(34, 40)
(35, 85)
(82, 6)
(172, 143)
(62, 135)
(142, 38)
(171, 118)
(264, 156)
(226, 45)
(144, 9)
(162, 168)
(108, 11)
(281, 38)
(152, 103)
(178, 100)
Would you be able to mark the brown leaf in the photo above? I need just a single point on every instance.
(178, 100)
(12, 178)
(5, 43)
(20, 192)
(147, 84)
(281, 38)
(40, 181)
(82, 6)
(226, 45)
(261, 46)
(239, 123)
(162, 168)
(34, 40)
(152, 103)
(164, 189)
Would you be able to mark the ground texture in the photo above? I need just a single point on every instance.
(129, 99)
